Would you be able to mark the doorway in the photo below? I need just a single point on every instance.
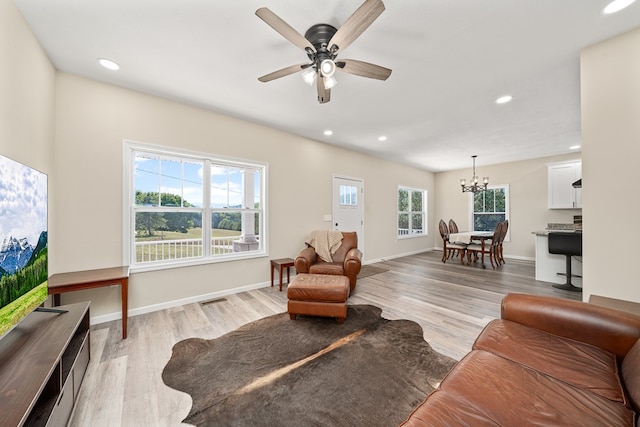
(348, 206)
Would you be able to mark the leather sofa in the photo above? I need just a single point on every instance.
(545, 362)
(346, 260)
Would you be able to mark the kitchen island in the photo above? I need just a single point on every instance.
(549, 265)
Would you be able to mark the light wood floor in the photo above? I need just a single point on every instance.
(452, 303)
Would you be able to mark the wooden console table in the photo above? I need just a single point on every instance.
(89, 279)
(43, 361)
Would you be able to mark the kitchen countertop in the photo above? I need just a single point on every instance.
(546, 232)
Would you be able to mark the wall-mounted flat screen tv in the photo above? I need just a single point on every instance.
(23, 236)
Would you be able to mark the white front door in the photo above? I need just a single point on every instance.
(348, 206)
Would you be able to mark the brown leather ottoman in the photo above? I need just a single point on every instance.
(318, 295)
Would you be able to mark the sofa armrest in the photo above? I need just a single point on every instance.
(352, 265)
(353, 257)
(613, 330)
(305, 259)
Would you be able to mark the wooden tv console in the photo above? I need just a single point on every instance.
(42, 363)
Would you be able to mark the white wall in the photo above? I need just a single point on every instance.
(610, 91)
(93, 119)
(27, 91)
(528, 210)
(85, 206)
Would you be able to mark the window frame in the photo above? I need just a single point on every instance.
(410, 213)
(472, 212)
(130, 148)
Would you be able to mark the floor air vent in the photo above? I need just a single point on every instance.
(213, 301)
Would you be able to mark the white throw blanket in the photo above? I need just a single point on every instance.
(325, 242)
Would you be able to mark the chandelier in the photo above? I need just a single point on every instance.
(473, 186)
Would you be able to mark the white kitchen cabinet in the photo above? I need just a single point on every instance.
(562, 195)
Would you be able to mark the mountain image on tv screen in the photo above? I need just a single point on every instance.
(23, 233)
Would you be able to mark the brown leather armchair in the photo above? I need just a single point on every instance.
(347, 260)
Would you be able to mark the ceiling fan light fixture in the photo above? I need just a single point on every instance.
(329, 82)
(309, 76)
(327, 67)
(616, 6)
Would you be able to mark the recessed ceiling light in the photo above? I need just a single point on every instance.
(504, 99)
(382, 138)
(108, 64)
(574, 147)
(616, 6)
(328, 132)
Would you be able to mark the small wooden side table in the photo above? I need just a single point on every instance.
(281, 264)
(89, 279)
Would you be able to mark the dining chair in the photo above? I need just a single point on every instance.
(490, 248)
(503, 234)
(453, 228)
(447, 247)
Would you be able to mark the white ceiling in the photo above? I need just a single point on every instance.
(450, 59)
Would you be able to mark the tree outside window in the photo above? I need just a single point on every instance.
(490, 207)
(191, 208)
(411, 212)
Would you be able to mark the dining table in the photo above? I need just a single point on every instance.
(466, 237)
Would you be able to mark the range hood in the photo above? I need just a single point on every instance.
(577, 184)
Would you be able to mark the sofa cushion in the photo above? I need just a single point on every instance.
(486, 389)
(318, 288)
(332, 268)
(444, 409)
(576, 363)
(631, 374)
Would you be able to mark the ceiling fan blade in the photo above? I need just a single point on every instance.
(324, 95)
(286, 30)
(283, 72)
(357, 23)
(363, 69)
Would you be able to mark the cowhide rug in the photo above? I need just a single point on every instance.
(311, 371)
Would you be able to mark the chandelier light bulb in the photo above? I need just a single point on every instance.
(473, 186)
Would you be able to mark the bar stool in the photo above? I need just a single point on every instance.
(568, 244)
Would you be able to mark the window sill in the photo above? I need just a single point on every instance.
(411, 236)
(142, 268)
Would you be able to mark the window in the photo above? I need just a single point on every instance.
(490, 207)
(348, 195)
(412, 212)
(190, 208)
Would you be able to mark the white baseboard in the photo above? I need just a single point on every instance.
(176, 303)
